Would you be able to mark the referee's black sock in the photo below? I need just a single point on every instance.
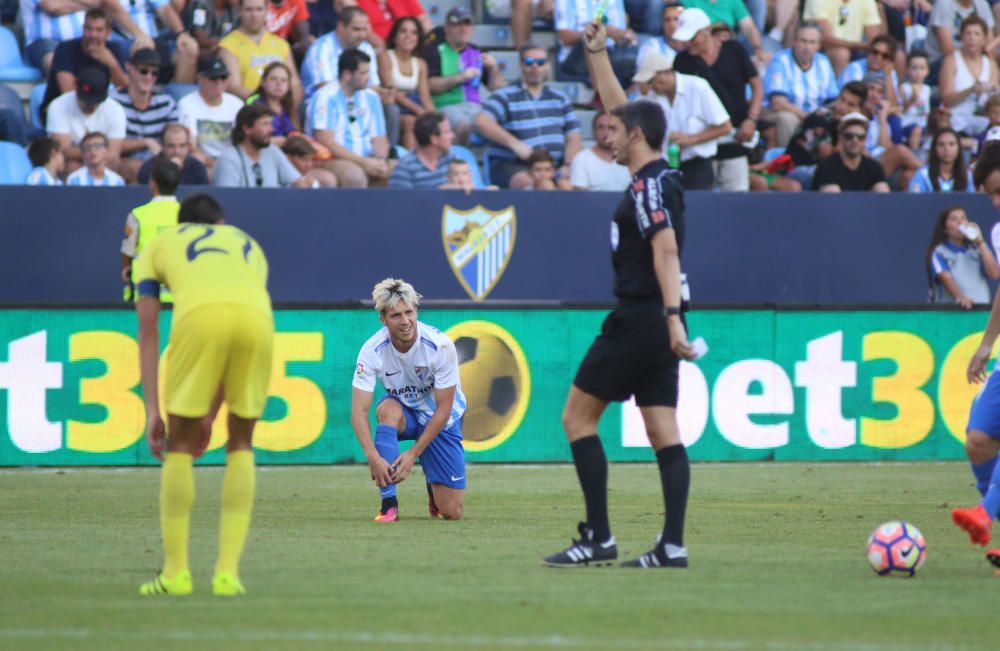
(675, 476)
(592, 469)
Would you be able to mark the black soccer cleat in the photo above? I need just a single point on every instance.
(993, 556)
(585, 552)
(657, 557)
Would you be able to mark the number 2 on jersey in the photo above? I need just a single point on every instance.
(193, 251)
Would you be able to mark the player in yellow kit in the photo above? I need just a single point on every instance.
(220, 347)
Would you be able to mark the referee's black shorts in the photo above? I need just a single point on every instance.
(632, 356)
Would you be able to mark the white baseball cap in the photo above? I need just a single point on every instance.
(691, 22)
(653, 63)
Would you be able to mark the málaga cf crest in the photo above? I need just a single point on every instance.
(478, 244)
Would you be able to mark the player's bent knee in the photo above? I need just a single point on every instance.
(980, 447)
(452, 512)
(389, 412)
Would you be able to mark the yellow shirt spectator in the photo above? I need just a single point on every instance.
(252, 56)
(847, 19)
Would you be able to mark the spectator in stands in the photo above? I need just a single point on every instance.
(880, 58)
(846, 26)
(522, 14)
(968, 77)
(729, 71)
(210, 20)
(173, 43)
(733, 14)
(945, 170)
(944, 33)
(302, 155)
(247, 50)
(87, 109)
(664, 44)
(816, 136)
(526, 116)
(959, 261)
(95, 170)
(849, 169)
(251, 161)
(289, 19)
(426, 167)
(460, 177)
(798, 81)
(176, 147)
(915, 98)
(210, 113)
(596, 168)
(384, 14)
(320, 65)
(407, 73)
(696, 118)
(885, 133)
(146, 113)
(456, 70)
(347, 119)
(572, 17)
(275, 92)
(542, 170)
(46, 157)
(92, 50)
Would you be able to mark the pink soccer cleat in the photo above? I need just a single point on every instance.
(976, 522)
(391, 515)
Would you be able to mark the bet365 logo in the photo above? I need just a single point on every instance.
(91, 402)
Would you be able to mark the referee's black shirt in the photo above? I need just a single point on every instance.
(653, 201)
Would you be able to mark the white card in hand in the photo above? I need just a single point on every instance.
(700, 347)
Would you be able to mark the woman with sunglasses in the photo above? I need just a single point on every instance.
(275, 92)
(945, 170)
(968, 77)
(408, 75)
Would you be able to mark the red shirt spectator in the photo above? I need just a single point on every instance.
(281, 17)
(384, 13)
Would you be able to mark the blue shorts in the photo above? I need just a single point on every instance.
(444, 459)
(985, 413)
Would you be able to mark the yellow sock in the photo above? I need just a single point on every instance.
(237, 503)
(176, 500)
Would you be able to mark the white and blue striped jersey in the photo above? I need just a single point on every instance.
(412, 377)
(355, 121)
(658, 45)
(143, 13)
(575, 15)
(41, 176)
(320, 65)
(39, 24)
(921, 182)
(82, 177)
(856, 71)
(807, 89)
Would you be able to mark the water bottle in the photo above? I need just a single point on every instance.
(674, 155)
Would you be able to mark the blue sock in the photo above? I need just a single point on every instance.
(983, 472)
(991, 500)
(387, 444)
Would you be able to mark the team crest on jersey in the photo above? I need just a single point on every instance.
(478, 244)
(421, 372)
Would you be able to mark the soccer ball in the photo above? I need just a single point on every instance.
(491, 380)
(896, 549)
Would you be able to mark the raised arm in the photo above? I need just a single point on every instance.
(595, 40)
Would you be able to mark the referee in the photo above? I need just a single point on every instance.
(643, 340)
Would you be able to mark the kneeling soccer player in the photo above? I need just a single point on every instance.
(423, 402)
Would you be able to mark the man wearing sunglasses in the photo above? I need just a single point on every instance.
(879, 59)
(146, 113)
(849, 169)
(210, 112)
(524, 116)
(847, 25)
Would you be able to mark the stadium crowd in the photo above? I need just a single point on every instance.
(825, 95)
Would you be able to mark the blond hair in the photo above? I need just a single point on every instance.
(388, 293)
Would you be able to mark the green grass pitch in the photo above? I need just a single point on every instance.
(777, 554)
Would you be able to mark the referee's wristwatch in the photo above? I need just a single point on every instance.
(671, 311)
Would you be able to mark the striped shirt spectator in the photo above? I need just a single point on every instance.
(544, 121)
(921, 182)
(427, 165)
(84, 178)
(411, 173)
(320, 64)
(41, 176)
(355, 121)
(965, 264)
(143, 13)
(148, 122)
(575, 15)
(806, 89)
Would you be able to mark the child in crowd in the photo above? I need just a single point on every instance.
(303, 156)
(542, 169)
(48, 161)
(460, 177)
(95, 172)
(916, 96)
(993, 114)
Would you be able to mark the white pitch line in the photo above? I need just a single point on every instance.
(465, 641)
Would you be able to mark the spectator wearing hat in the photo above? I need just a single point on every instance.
(146, 113)
(247, 50)
(849, 169)
(696, 118)
(816, 136)
(209, 113)
(526, 116)
(572, 17)
(886, 141)
(798, 81)
(846, 25)
(456, 71)
(302, 154)
(728, 69)
(176, 147)
(734, 15)
(665, 43)
(88, 109)
(251, 161)
(94, 172)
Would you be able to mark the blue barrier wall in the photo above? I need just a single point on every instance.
(61, 245)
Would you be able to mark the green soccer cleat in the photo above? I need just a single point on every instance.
(178, 586)
(227, 585)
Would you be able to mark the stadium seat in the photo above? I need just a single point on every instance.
(467, 156)
(177, 91)
(586, 118)
(14, 164)
(509, 62)
(12, 67)
(492, 37)
(10, 99)
(436, 9)
(35, 105)
(578, 93)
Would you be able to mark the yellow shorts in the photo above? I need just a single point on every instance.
(224, 344)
